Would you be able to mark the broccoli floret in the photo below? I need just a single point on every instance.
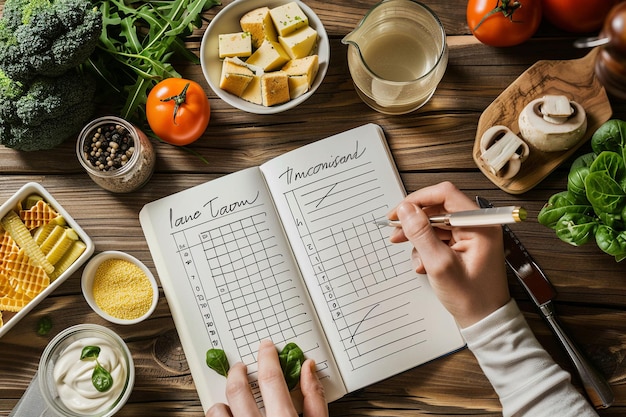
(46, 111)
(47, 37)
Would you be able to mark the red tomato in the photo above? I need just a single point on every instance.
(509, 23)
(578, 16)
(178, 111)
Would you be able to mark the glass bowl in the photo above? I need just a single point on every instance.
(70, 342)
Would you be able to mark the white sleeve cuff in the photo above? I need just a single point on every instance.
(523, 374)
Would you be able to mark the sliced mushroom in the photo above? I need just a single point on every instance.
(552, 123)
(503, 151)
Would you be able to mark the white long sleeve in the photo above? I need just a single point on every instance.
(525, 377)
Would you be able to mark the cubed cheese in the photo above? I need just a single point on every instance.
(253, 91)
(235, 44)
(298, 85)
(270, 56)
(307, 66)
(288, 18)
(300, 43)
(275, 88)
(235, 76)
(258, 23)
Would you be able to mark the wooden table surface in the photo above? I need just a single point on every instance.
(430, 145)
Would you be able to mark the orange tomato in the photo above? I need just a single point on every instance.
(178, 111)
(509, 23)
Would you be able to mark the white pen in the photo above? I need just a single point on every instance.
(472, 218)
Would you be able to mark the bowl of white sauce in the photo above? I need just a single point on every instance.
(86, 370)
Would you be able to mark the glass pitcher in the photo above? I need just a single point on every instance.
(397, 56)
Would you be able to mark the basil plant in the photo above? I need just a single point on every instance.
(594, 205)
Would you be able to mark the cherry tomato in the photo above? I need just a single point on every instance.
(577, 16)
(178, 111)
(503, 22)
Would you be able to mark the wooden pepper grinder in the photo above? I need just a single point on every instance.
(610, 65)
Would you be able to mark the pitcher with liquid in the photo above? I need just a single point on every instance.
(397, 56)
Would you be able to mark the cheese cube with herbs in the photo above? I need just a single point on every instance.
(235, 76)
(288, 18)
(269, 57)
(252, 92)
(275, 88)
(235, 44)
(307, 65)
(258, 23)
(298, 85)
(300, 43)
(301, 73)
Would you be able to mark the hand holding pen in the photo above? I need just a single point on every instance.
(472, 218)
(465, 265)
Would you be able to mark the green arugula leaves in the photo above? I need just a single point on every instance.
(138, 41)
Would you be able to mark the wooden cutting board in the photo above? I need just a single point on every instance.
(574, 79)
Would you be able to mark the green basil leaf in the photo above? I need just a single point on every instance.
(611, 136)
(89, 353)
(101, 378)
(576, 229)
(611, 241)
(604, 193)
(216, 359)
(44, 325)
(291, 359)
(558, 205)
(576, 184)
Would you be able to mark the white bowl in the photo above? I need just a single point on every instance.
(54, 350)
(11, 319)
(89, 274)
(227, 21)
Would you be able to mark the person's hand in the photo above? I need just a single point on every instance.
(273, 389)
(465, 266)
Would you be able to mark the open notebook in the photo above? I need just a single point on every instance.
(289, 251)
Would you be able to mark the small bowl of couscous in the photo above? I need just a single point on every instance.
(119, 288)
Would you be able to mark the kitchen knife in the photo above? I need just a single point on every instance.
(542, 293)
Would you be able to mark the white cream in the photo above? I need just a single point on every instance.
(73, 376)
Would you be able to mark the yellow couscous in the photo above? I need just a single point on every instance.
(121, 289)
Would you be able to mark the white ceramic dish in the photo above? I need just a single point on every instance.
(227, 21)
(89, 274)
(11, 319)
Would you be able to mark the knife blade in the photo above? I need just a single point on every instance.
(541, 291)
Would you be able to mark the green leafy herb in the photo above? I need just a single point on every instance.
(216, 359)
(291, 359)
(100, 378)
(44, 325)
(138, 41)
(594, 205)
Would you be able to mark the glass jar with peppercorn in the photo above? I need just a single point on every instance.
(116, 155)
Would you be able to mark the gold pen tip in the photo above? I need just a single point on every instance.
(519, 214)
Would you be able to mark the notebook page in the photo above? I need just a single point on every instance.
(230, 280)
(380, 317)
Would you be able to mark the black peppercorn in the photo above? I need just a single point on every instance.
(111, 146)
